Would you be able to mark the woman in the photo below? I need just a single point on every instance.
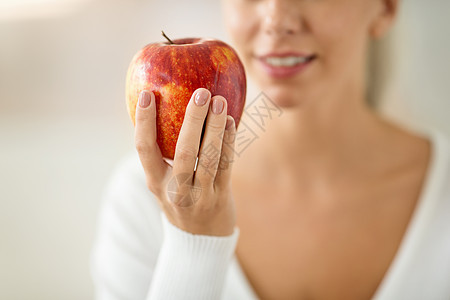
(331, 202)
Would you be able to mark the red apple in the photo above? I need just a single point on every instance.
(173, 70)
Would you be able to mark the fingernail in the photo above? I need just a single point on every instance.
(230, 122)
(217, 106)
(144, 99)
(201, 97)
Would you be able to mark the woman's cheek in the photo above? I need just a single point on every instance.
(240, 24)
(242, 30)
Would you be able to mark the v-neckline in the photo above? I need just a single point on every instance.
(419, 220)
(411, 236)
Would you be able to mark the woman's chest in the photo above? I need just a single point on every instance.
(316, 253)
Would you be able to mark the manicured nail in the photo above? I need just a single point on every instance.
(230, 121)
(201, 97)
(217, 106)
(144, 99)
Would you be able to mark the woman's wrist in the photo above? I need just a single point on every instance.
(191, 264)
(180, 238)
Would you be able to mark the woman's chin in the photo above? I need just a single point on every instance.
(284, 98)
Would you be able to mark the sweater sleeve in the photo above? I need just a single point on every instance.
(191, 266)
(139, 254)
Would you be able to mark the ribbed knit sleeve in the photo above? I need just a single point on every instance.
(191, 266)
(139, 255)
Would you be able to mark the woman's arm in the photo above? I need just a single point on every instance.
(138, 254)
(191, 266)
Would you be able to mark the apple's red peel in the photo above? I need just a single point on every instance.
(173, 73)
(216, 77)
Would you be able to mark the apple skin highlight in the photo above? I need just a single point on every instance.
(174, 71)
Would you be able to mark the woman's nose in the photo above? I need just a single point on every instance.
(280, 17)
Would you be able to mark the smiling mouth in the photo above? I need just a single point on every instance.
(287, 61)
(285, 65)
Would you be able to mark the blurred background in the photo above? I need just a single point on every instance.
(64, 124)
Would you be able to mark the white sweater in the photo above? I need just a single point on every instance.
(138, 254)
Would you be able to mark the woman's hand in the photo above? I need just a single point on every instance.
(200, 201)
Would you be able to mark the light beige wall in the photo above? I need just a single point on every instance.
(420, 95)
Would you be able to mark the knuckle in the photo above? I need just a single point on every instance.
(153, 186)
(141, 116)
(208, 159)
(194, 117)
(206, 175)
(229, 138)
(216, 126)
(141, 145)
(226, 161)
(185, 154)
(182, 199)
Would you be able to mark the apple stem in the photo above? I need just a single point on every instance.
(164, 35)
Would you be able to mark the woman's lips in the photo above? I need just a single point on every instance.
(284, 71)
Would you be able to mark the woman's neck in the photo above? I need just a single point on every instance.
(317, 142)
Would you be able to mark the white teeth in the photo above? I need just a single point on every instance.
(285, 61)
